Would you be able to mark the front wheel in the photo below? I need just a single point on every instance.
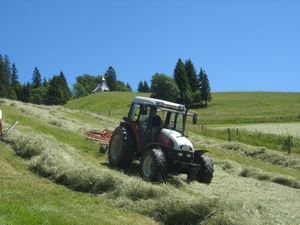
(206, 171)
(153, 165)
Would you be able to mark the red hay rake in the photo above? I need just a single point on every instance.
(94, 137)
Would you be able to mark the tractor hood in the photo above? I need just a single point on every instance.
(180, 141)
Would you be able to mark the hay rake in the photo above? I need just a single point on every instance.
(93, 138)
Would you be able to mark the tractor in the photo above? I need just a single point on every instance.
(153, 132)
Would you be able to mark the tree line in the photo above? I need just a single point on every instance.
(186, 87)
(54, 91)
(86, 83)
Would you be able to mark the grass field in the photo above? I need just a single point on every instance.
(225, 108)
(50, 178)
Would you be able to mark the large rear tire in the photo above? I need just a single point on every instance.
(206, 171)
(121, 147)
(153, 165)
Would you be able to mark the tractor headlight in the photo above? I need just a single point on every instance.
(180, 154)
(189, 155)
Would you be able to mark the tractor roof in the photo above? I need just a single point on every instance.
(159, 103)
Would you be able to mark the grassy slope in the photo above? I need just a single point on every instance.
(245, 194)
(117, 103)
(235, 107)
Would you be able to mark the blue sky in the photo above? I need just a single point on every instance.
(242, 45)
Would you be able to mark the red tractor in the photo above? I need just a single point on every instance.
(153, 132)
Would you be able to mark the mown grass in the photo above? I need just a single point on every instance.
(225, 108)
(28, 199)
(229, 199)
(272, 141)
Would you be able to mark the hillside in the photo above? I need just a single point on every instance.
(50, 175)
(225, 108)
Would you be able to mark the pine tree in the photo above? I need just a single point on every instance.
(25, 92)
(4, 87)
(7, 71)
(181, 79)
(140, 87)
(146, 87)
(129, 87)
(58, 92)
(65, 88)
(204, 87)
(16, 89)
(14, 77)
(192, 75)
(111, 78)
(36, 78)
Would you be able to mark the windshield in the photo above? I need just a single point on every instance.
(174, 121)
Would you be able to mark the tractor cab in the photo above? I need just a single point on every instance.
(148, 117)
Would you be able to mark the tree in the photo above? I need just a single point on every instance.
(65, 88)
(16, 88)
(204, 87)
(58, 92)
(36, 78)
(25, 92)
(181, 79)
(3, 86)
(111, 78)
(79, 90)
(37, 95)
(121, 86)
(146, 87)
(192, 75)
(140, 87)
(164, 87)
(89, 82)
(129, 87)
(4, 77)
(14, 77)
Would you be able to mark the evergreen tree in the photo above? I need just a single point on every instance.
(37, 95)
(111, 78)
(36, 78)
(45, 82)
(15, 91)
(182, 81)
(25, 92)
(14, 77)
(58, 92)
(140, 87)
(192, 75)
(128, 87)
(3, 88)
(4, 77)
(64, 85)
(146, 87)
(204, 87)
(7, 71)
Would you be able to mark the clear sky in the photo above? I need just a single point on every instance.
(249, 45)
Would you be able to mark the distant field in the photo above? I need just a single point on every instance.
(273, 128)
(225, 108)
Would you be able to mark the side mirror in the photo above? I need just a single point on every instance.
(195, 118)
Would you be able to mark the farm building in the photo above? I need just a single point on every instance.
(101, 87)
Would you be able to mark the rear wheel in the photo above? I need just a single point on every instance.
(153, 165)
(120, 149)
(206, 171)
